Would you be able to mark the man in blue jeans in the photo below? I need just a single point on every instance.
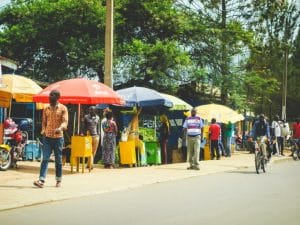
(54, 122)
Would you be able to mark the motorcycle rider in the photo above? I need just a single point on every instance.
(261, 130)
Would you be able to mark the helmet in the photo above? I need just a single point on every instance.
(7, 123)
(24, 125)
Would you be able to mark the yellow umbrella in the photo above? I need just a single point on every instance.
(19, 88)
(221, 113)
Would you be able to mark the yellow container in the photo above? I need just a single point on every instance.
(205, 132)
(81, 147)
(207, 152)
(127, 152)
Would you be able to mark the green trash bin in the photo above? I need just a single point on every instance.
(153, 153)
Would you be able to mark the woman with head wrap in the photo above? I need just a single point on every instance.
(164, 131)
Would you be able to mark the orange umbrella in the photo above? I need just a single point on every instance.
(81, 91)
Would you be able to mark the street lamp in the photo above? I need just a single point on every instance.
(108, 61)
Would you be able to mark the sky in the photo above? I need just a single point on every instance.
(4, 2)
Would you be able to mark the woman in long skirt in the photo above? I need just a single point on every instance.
(109, 141)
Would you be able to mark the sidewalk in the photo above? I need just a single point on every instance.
(17, 190)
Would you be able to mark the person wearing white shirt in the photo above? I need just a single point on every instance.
(276, 133)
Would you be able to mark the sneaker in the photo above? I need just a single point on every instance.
(196, 168)
(38, 183)
(58, 184)
(189, 168)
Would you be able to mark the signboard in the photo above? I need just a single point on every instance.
(8, 63)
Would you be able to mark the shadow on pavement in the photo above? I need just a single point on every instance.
(242, 172)
(16, 187)
(36, 169)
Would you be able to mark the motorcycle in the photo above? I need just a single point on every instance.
(5, 157)
(13, 149)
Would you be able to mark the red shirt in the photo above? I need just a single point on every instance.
(296, 130)
(214, 130)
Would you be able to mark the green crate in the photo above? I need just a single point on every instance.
(153, 152)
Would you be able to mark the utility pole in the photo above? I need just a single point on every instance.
(108, 62)
(284, 86)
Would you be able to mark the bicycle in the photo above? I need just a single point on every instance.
(296, 149)
(260, 161)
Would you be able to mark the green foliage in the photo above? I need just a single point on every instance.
(53, 39)
(226, 51)
(274, 24)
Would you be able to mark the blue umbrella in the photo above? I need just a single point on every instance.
(143, 97)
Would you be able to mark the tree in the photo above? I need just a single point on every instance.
(223, 40)
(150, 44)
(274, 24)
(57, 39)
(54, 39)
(293, 94)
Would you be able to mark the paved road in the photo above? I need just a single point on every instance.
(230, 198)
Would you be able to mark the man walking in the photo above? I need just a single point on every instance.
(193, 128)
(214, 135)
(54, 122)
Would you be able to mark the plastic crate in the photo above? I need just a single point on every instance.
(153, 153)
(32, 151)
(127, 152)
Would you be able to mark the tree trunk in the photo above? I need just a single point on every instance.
(224, 64)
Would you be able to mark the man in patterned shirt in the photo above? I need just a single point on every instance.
(54, 122)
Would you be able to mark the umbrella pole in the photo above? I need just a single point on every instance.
(78, 119)
(33, 120)
(74, 123)
(10, 104)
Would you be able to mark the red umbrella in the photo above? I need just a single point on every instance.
(80, 91)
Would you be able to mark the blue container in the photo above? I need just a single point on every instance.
(32, 151)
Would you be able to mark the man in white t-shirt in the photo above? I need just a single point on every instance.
(276, 133)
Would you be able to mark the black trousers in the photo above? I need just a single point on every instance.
(214, 145)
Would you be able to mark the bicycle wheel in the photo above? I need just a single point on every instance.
(295, 152)
(257, 162)
(298, 154)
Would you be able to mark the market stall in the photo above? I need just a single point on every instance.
(176, 117)
(143, 101)
(80, 91)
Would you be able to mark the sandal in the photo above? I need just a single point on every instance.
(58, 184)
(38, 183)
